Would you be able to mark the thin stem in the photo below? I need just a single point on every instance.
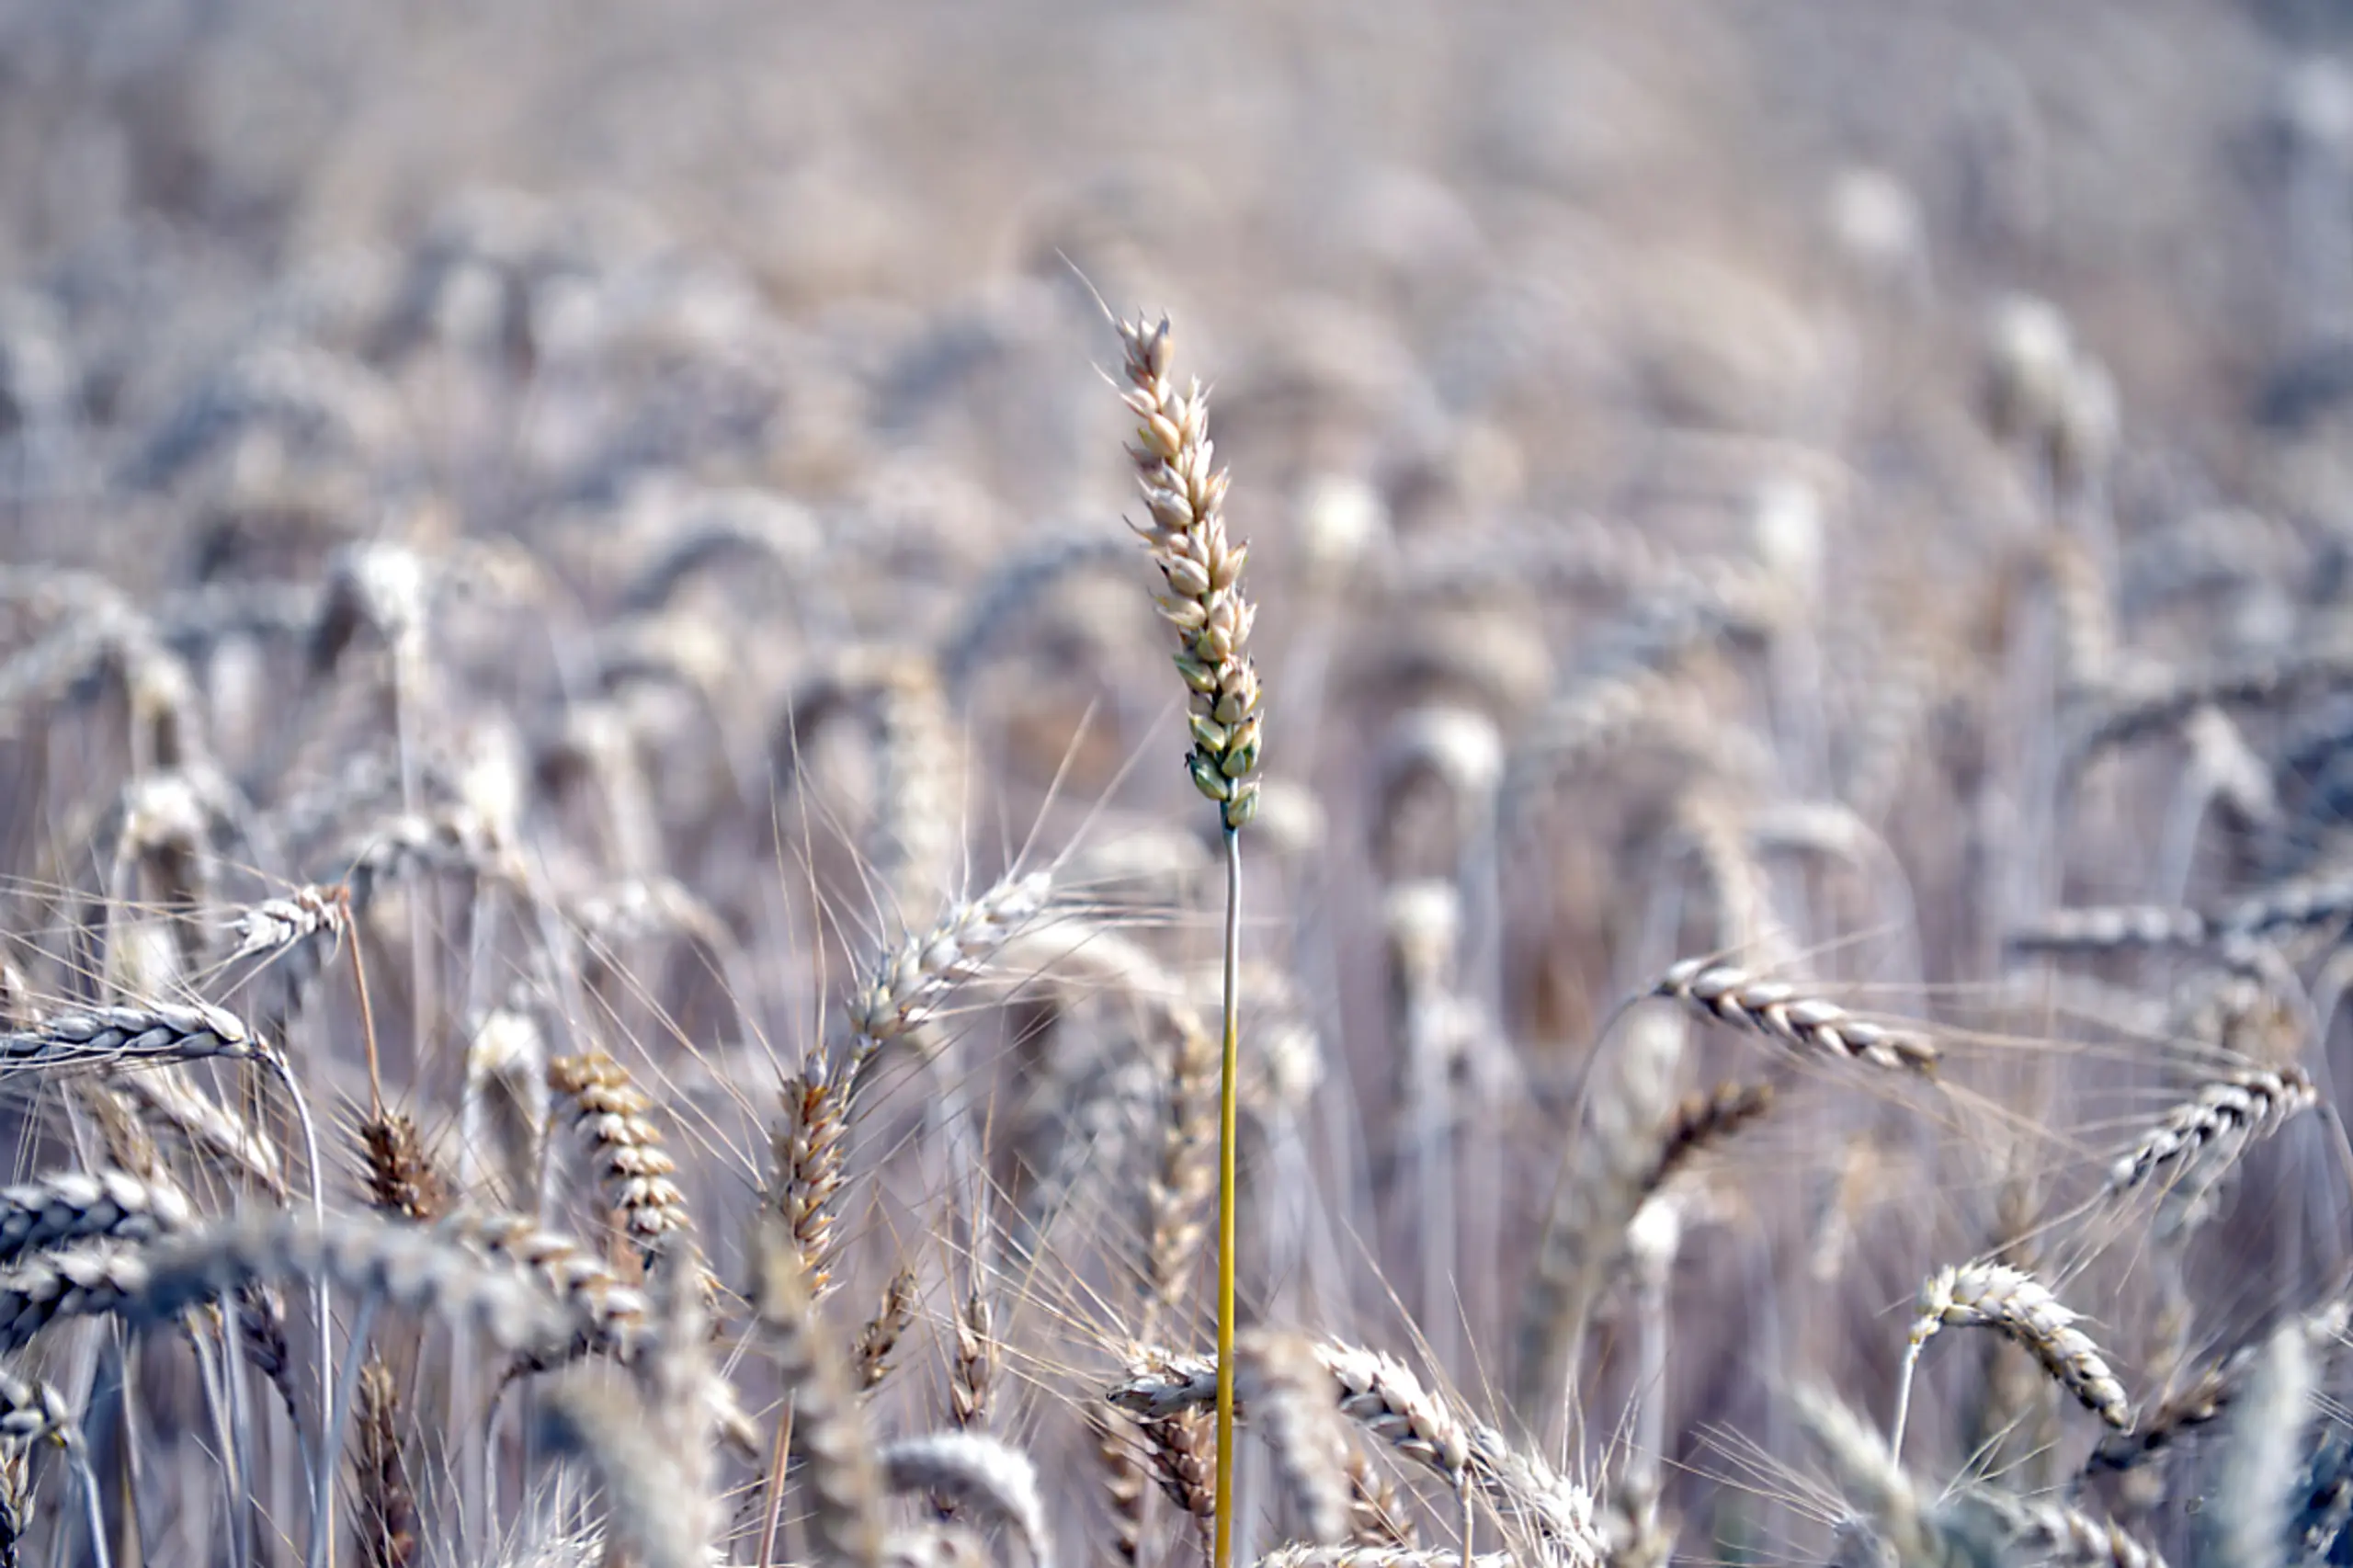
(773, 1513)
(346, 1388)
(1228, 1124)
(319, 1289)
(86, 1477)
(1903, 1402)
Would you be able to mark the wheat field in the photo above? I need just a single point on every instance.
(737, 742)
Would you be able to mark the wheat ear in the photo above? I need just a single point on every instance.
(2239, 1107)
(2020, 1308)
(634, 1167)
(975, 1469)
(1780, 1011)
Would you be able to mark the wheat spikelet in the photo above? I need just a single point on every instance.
(1779, 1011)
(971, 1371)
(33, 1412)
(975, 1469)
(1384, 1397)
(633, 1168)
(2241, 1107)
(2022, 1309)
(412, 1269)
(871, 1354)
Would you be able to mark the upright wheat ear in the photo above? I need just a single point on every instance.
(1184, 497)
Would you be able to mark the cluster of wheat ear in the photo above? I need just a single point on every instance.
(617, 948)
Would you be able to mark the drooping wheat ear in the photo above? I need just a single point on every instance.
(2022, 1309)
(593, 1414)
(1184, 496)
(1778, 1010)
(633, 1168)
(401, 1177)
(908, 985)
(74, 1206)
(992, 1475)
(387, 1521)
(2255, 1477)
(872, 1354)
(2237, 1109)
(157, 1032)
(1607, 1171)
(806, 1153)
(2007, 1528)
(828, 1421)
(1290, 1397)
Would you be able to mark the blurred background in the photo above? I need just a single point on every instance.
(1842, 393)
